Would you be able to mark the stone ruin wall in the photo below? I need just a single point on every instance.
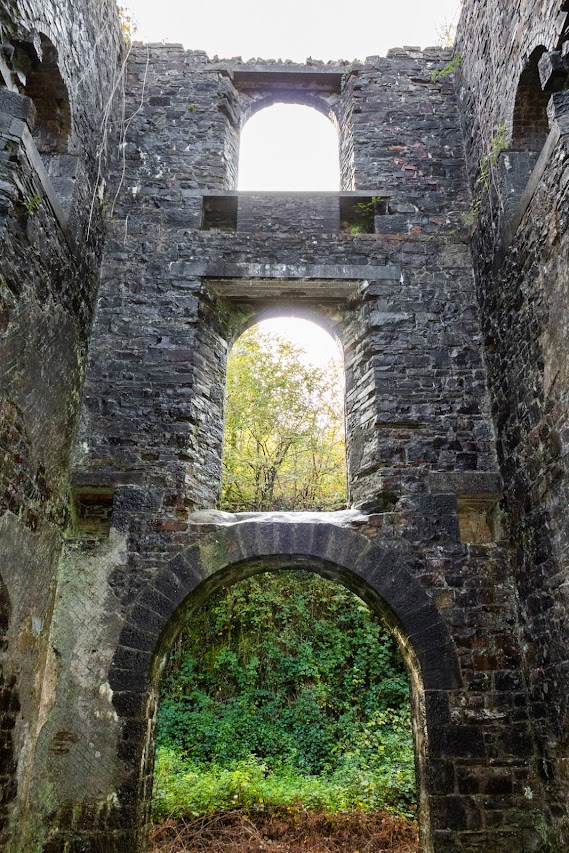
(50, 257)
(188, 264)
(520, 250)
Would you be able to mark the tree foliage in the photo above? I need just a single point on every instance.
(284, 434)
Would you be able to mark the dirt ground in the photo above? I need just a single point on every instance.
(297, 832)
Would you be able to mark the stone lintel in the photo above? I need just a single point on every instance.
(480, 483)
(301, 194)
(300, 290)
(318, 79)
(217, 270)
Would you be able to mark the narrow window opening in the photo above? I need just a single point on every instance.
(285, 710)
(37, 71)
(288, 147)
(530, 129)
(530, 124)
(38, 67)
(284, 443)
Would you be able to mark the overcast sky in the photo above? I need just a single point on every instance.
(294, 29)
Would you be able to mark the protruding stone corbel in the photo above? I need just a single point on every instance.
(553, 71)
(558, 111)
(18, 106)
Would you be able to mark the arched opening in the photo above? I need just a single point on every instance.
(38, 66)
(530, 125)
(285, 693)
(285, 444)
(289, 147)
(226, 553)
(37, 73)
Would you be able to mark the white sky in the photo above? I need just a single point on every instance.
(294, 29)
(274, 153)
(320, 347)
(289, 147)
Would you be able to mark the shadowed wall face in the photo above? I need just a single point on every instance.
(57, 68)
(520, 249)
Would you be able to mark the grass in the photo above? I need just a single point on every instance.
(183, 790)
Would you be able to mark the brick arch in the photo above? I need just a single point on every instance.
(530, 124)
(298, 97)
(541, 34)
(383, 577)
(230, 553)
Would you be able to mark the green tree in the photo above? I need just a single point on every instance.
(284, 434)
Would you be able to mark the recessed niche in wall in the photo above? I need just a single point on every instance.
(36, 71)
(357, 213)
(530, 130)
(91, 512)
(219, 213)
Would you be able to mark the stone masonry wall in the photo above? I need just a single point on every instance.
(188, 264)
(47, 290)
(421, 452)
(415, 349)
(520, 250)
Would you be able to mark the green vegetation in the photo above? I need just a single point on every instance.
(284, 690)
(32, 204)
(488, 161)
(284, 429)
(440, 73)
(498, 144)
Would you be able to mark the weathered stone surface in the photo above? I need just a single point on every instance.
(47, 294)
(523, 291)
(188, 264)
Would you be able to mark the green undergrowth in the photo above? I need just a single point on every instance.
(284, 691)
(375, 774)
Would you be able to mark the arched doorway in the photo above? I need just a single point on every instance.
(530, 124)
(384, 579)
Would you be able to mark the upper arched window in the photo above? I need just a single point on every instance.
(530, 125)
(289, 147)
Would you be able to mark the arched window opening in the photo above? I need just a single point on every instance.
(36, 71)
(289, 147)
(530, 125)
(37, 62)
(287, 699)
(284, 443)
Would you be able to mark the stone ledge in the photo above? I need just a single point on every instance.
(465, 483)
